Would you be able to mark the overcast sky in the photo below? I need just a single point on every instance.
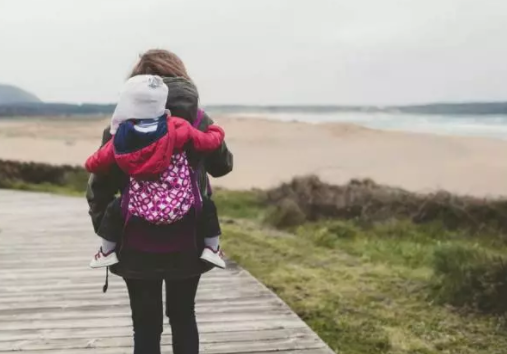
(262, 51)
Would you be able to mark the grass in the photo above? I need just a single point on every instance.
(366, 289)
(383, 287)
(240, 204)
(42, 188)
(30, 176)
(357, 304)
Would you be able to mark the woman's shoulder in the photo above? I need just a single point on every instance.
(106, 135)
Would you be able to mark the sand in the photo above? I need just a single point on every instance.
(267, 153)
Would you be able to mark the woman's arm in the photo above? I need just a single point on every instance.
(102, 190)
(220, 162)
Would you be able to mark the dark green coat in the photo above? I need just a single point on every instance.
(103, 190)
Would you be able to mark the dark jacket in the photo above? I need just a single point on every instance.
(106, 215)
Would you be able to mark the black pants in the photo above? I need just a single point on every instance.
(147, 314)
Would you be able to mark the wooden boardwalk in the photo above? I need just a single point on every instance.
(50, 302)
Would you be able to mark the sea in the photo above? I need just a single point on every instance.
(477, 125)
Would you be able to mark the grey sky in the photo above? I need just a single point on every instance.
(262, 51)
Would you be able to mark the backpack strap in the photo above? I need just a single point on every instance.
(194, 176)
(124, 202)
(198, 118)
(197, 123)
(208, 186)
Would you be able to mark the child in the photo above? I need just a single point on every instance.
(149, 146)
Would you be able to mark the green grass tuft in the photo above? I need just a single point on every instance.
(471, 277)
(239, 204)
(361, 304)
(42, 188)
(371, 288)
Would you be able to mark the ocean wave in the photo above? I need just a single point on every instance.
(469, 125)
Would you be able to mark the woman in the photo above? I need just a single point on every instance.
(152, 255)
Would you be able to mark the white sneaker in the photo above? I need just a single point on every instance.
(101, 260)
(213, 257)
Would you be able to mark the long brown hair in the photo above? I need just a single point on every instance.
(162, 63)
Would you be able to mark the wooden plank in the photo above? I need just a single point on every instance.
(87, 274)
(78, 323)
(122, 301)
(50, 302)
(125, 341)
(122, 346)
(204, 307)
(123, 312)
(91, 333)
(92, 289)
(76, 299)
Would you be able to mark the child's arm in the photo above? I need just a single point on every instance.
(207, 141)
(101, 160)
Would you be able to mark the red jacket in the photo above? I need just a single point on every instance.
(154, 154)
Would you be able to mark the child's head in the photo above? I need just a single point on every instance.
(142, 97)
(183, 97)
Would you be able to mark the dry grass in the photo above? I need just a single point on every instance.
(41, 176)
(368, 202)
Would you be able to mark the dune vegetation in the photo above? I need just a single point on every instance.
(371, 268)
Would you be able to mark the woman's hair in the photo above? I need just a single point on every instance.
(162, 63)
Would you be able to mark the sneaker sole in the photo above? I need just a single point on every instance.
(104, 264)
(210, 261)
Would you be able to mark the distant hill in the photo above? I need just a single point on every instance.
(15, 102)
(14, 95)
(40, 109)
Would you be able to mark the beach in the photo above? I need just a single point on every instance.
(268, 152)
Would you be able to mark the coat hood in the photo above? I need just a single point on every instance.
(183, 98)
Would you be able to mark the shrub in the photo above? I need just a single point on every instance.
(14, 172)
(342, 230)
(286, 214)
(470, 277)
(368, 202)
(329, 234)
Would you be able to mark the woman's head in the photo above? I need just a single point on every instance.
(183, 97)
(162, 63)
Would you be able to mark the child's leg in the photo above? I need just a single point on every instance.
(107, 246)
(212, 242)
(210, 228)
(110, 232)
(210, 224)
(113, 222)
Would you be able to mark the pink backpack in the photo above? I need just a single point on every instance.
(167, 199)
(170, 197)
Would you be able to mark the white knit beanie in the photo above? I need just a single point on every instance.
(142, 97)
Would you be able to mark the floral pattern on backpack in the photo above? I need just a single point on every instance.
(167, 199)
